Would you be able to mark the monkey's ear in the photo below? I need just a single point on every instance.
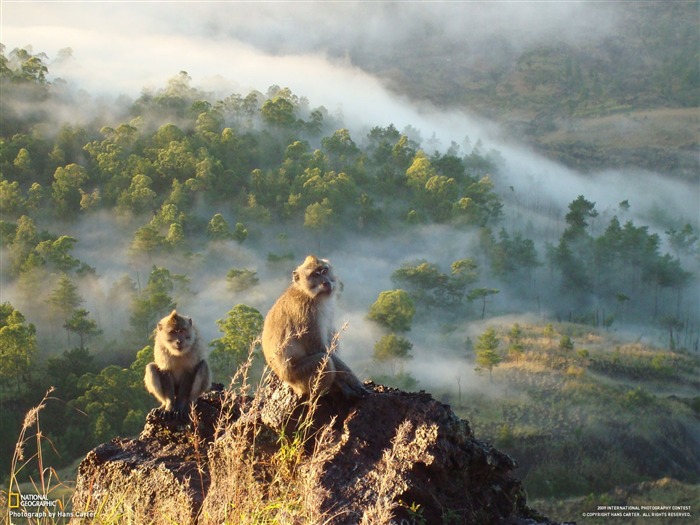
(295, 276)
(189, 321)
(160, 326)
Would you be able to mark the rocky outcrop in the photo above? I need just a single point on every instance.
(405, 449)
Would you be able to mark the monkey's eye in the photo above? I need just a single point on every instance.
(323, 271)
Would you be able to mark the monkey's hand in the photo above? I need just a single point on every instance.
(182, 414)
(347, 382)
(350, 386)
(166, 414)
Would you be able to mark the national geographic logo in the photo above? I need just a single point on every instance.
(39, 506)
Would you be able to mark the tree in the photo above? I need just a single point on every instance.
(241, 328)
(338, 189)
(209, 123)
(318, 215)
(115, 400)
(481, 293)
(65, 296)
(218, 229)
(57, 253)
(24, 242)
(370, 216)
(393, 309)
(278, 112)
(512, 256)
(515, 335)
(177, 160)
(147, 241)
(168, 214)
(32, 66)
(23, 161)
(486, 355)
(420, 172)
(667, 272)
(575, 274)
(138, 197)
(65, 189)
(565, 343)
(391, 348)
(36, 197)
(423, 280)
(549, 332)
(402, 152)
(65, 371)
(240, 279)
(440, 195)
(17, 346)
(464, 272)
(340, 148)
(81, 324)
(480, 204)
(176, 235)
(683, 241)
(673, 324)
(580, 210)
(155, 300)
(240, 234)
(13, 204)
(89, 200)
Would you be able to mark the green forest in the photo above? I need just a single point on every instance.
(108, 225)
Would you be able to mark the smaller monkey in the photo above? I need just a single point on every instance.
(298, 333)
(180, 372)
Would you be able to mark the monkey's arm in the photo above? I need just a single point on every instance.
(346, 380)
(192, 385)
(160, 384)
(297, 368)
(304, 367)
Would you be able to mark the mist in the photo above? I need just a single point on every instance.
(122, 50)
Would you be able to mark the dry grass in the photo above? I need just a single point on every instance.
(47, 484)
(571, 415)
(257, 476)
(660, 127)
(405, 452)
(664, 491)
(253, 483)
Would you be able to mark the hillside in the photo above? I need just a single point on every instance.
(585, 411)
(644, 74)
(671, 502)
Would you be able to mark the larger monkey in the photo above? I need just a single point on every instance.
(180, 372)
(298, 333)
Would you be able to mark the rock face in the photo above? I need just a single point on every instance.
(405, 449)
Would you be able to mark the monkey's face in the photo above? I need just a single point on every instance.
(177, 333)
(315, 277)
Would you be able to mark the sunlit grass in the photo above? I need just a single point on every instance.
(570, 415)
